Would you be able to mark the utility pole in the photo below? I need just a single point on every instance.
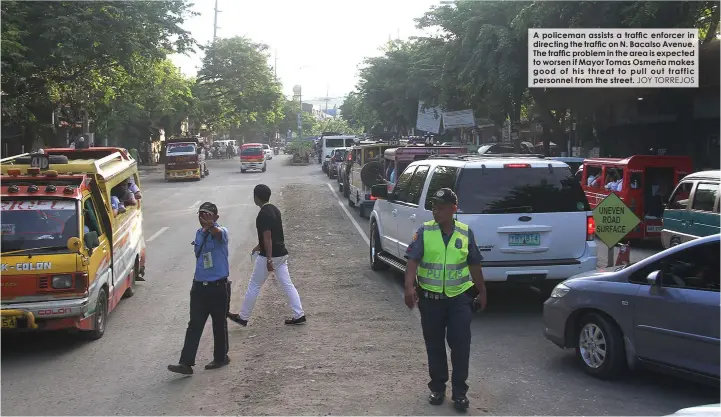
(215, 21)
(275, 67)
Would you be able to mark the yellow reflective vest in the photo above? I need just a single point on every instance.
(444, 269)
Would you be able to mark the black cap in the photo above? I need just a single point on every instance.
(445, 195)
(208, 207)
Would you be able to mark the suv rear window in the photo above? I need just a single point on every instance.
(519, 190)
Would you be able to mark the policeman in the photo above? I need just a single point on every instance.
(442, 258)
(209, 293)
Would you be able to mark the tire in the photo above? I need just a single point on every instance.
(362, 212)
(242, 171)
(100, 317)
(604, 334)
(350, 203)
(374, 248)
(130, 291)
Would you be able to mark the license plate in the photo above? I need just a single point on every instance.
(654, 229)
(9, 322)
(524, 239)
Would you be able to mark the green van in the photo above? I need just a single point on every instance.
(693, 209)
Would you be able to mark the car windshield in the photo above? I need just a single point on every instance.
(38, 224)
(181, 148)
(334, 143)
(519, 190)
(252, 151)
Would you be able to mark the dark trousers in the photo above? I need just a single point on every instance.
(447, 319)
(207, 299)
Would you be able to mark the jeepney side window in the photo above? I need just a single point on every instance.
(594, 175)
(90, 218)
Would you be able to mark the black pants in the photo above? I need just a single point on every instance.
(449, 319)
(207, 299)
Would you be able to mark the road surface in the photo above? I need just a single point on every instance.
(361, 351)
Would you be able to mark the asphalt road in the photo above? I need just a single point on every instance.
(360, 353)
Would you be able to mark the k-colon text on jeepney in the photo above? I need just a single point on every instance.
(28, 266)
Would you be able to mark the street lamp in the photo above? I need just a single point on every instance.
(298, 91)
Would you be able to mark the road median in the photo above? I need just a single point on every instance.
(361, 351)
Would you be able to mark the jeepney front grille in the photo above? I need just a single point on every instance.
(43, 283)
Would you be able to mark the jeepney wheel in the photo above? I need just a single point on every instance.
(130, 291)
(242, 171)
(100, 317)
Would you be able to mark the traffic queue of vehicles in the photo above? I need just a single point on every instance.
(69, 251)
(535, 227)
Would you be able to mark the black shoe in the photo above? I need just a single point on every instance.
(299, 320)
(460, 402)
(236, 318)
(215, 365)
(436, 398)
(181, 369)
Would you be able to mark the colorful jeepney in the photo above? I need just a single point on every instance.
(68, 255)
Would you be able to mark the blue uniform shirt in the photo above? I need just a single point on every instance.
(212, 262)
(415, 249)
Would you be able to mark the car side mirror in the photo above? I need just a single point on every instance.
(654, 278)
(74, 244)
(91, 240)
(379, 191)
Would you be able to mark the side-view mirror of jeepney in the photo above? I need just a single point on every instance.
(91, 241)
(74, 244)
(379, 191)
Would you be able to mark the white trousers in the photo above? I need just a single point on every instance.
(258, 277)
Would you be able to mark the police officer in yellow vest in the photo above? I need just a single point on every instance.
(445, 261)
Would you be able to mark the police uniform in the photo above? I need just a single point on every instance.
(208, 297)
(445, 300)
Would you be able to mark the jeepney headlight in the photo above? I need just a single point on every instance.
(61, 282)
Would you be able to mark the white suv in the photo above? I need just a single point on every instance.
(530, 217)
(267, 151)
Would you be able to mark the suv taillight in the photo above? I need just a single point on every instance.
(590, 228)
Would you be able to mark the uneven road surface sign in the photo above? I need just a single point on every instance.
(614, 220)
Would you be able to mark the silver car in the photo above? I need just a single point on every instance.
(662, 312)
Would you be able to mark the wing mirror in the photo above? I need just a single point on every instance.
(655, 278)
(379, 191)
(74, 244)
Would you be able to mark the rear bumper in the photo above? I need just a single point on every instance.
(56, 314)
(252, 165)
(182, 173)
(552, 270)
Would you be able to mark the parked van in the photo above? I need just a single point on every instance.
(70, 252)
(693, 209)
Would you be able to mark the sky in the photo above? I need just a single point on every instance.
(319, 44)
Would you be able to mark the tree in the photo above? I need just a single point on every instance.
(237, 81)
(70, 53)
(359, 115)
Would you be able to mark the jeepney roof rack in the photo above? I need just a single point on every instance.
(468, 157)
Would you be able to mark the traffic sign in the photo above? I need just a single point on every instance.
(614, 220)
(40, 161)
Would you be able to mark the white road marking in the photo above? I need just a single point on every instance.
(350, 217)
(156, 234)
(194, 204)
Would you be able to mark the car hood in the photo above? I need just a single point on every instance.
(701, 410)
(597, 275)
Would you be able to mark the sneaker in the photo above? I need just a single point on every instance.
(299, 320)
(215, 365)
(460, 402)
(236, 318)
(181, 369)
(436, 398)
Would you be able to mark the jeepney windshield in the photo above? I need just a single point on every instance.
(181, 149)
(38, 224)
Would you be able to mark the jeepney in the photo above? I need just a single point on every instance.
(397, 159)
(366, 171)
(184, 159)
(68, 256)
